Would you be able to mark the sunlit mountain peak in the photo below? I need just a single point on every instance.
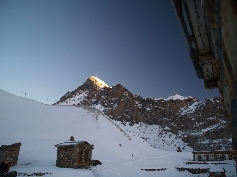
(98, 82)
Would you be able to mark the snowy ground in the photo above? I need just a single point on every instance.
(155, 135)
(39, 127)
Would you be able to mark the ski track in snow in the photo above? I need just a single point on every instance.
(148, 158)
(108, 170)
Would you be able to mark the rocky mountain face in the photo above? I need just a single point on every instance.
(200, 124)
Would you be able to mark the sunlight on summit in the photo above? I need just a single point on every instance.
(98, 82)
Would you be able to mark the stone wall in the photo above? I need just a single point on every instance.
(74, 156)
(11, 153)
(65, 157)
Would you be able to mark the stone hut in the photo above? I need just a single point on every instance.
(213, 155)
(10, 153)
(74, 154)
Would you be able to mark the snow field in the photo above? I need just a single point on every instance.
(39, 127)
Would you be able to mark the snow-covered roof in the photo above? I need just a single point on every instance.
(69, 143)
(72, 143)
(216, 169)
(214, 151)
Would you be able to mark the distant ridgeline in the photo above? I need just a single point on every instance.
(200, 124)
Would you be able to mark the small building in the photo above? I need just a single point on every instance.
(216, 172)
(10, 153)
(74, 154)
(213, 155)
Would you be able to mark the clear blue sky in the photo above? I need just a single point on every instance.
(50, 47)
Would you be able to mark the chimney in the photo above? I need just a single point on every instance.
(72, 138)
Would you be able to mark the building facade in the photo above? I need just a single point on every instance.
(74, 154)
(213, 155)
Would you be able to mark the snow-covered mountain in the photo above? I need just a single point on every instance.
(200, 124)
(119, 147)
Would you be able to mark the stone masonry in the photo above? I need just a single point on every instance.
(11, 153)
(74, 154)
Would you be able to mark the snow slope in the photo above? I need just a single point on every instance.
(155, 135)
(39, 127)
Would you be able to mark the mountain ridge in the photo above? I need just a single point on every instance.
(201, 124)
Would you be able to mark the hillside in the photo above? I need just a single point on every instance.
(201, 125)
(39, 127)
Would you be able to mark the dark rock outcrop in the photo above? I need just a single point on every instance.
(201, 124)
